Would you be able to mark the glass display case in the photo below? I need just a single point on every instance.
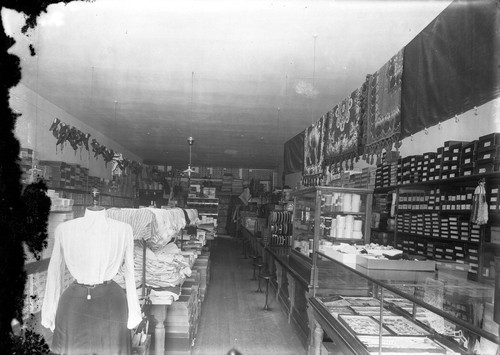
(326, 216)
(331, 214)
(383, 311)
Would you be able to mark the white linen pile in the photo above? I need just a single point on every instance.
(170, 222)
(165, 267)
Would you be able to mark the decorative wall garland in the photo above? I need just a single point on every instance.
(79, 140)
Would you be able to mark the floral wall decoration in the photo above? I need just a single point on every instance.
(77, 139)
(383, 118)
(65, 133)
(313, 149)
(343, 132)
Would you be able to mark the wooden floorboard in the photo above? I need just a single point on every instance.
(232, 316)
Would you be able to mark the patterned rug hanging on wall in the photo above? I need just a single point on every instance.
(343, 132)
(383, 119)
(313, 149)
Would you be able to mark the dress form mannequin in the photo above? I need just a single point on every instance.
(94, 314)
(95, 200)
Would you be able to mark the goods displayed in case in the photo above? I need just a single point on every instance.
(401, 345)
(362, 325)
(373, 262)
(331, 214)
(371, 311)
(363, 301)
(401, 326)
(281, 228)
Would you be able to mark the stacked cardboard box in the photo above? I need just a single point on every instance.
(428, 166)
(488, 154)
(25, 163)
(227, 181)
(494, 198)
(468, 159)
(182, 320)
(202, 266)
(472, 258)
(237, 185)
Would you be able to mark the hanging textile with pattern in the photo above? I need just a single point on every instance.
(479, 211)
(383, 118)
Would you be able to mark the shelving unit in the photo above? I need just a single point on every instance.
(433, 220)
(206, 206)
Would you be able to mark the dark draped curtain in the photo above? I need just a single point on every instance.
(451, 66)
(294, 154)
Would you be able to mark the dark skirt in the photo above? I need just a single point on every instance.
(92, 326)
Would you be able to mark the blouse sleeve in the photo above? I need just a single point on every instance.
(54, 282)
(134, 309)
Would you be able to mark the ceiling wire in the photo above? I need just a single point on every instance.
(313, 77)
(191, 106)
(36, 100)
(278, 124)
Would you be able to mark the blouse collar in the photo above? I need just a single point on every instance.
(95, 218)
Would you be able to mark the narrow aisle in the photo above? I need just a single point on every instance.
(232, 314)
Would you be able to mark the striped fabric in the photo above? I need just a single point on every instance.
(170, 222)
(143, 222)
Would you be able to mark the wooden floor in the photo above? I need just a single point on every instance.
(232, 316)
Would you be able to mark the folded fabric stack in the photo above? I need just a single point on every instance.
(170, 222)
(165, 267)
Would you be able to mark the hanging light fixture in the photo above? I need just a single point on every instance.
(190, 140)
(190, 170)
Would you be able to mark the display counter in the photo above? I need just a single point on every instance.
(365, 311)
(291, 288)
(429, 311)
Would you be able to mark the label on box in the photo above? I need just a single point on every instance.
(482, 171)
(487, 144)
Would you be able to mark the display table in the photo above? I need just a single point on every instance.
(159, 312)
(176, 310)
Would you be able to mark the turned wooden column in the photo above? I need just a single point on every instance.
(159, 312)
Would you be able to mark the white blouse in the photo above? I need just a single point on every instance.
(93, 248)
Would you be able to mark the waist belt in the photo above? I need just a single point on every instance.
(89, 287)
